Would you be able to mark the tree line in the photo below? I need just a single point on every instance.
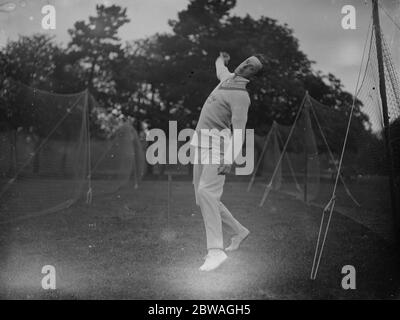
(169, 75)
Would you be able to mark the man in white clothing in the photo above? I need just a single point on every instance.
(226, 106)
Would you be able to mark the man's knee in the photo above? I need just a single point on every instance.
(204, 192)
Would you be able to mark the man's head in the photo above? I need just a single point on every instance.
(252, 66)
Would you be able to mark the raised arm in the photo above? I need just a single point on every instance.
(222, 71)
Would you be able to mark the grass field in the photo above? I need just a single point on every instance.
(123, 247)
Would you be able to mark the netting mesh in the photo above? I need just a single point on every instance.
(303, 165)
(298, 160)
(393, 96)
(43, 164)
(375, 157)
(116, 161)
(56, 156)
(369, 95)
(289, 161)
(268, 158)
(365, 169)
(310, 170)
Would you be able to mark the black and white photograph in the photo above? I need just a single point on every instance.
(210, 151)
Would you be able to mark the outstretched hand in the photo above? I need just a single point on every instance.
(225, 56)
(224, 169)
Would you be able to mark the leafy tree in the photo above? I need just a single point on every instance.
(95, 46)
(168, 76)
(95, 50)
(30, 61)
(183, 62)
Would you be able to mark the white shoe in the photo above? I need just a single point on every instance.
(237, 240)
(213, 260)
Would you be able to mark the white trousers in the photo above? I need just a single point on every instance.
(208, 187)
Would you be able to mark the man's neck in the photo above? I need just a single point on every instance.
(240, 76)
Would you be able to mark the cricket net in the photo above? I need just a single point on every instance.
(58, 154)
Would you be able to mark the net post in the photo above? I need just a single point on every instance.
(268, 186)
(89, 195)
(305, 182)
(289, 164)
(266, 193)
(386, 129)
(169, 197)
(260, 158)
(313, 112)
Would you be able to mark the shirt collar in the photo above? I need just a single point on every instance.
(237, 82)
(237, 78)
